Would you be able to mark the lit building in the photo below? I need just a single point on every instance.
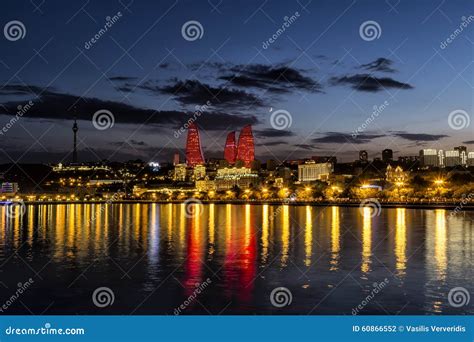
(194, 154)
(311, 171)
(387, 155)
(243, 177)
(205, 185)
(245, 147)
(452, 158)
(363, 156)
(176, 158)
(462, 154)
(441, 158)
(230, 149)
(396, 175)
(199, 172)
(180, 172)
(9, 188)
(429, 157)
(470, 159)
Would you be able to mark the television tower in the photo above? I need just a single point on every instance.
(74, 152)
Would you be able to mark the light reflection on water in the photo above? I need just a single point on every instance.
(153, 256)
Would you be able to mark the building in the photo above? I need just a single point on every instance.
(194, 154)
(9, 188)
(470, 159)
(230, 149)
(452, 158)
(176, 158)
(199, 172)
(311, 171)
(205, 185)
(429, 157)
(396, 175)
(441, 159)
(462, 154)
(180, 172)
(243, 177)
(363, 156)
(387, 155)
(245, 146)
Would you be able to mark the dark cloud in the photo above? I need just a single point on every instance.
(342, 138)
(277, 79)
(420, 136)
(469, 142)
(272, 133)
(273, 143)
(380, 64)
(131, 142)
(305, 146)
(55, 105)
(195, 92)
(122, 78)
(365, 82)
(23, 89)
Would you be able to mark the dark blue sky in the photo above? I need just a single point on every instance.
(320, 70)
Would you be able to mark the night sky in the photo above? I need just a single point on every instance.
(320, 70)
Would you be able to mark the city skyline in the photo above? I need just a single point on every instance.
(343, 93)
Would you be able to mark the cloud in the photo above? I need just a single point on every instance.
(380, 64)
(122, 78)
(276, 79)
(273, 143)
(365, 82)
(131, 142)
(194, 92)
(342, 138)
(305, 146)
(420, 136)
(469, 142)
(272, 133)
(55, 105)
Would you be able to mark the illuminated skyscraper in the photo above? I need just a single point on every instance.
(230, 149)
(245, 147)
(193, 147)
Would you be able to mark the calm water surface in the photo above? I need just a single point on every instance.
(152, 256)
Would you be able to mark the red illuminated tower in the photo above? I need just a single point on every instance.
(193, 147)
(245, 148)
(230, 149)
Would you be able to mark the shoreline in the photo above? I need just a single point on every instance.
(407, 205)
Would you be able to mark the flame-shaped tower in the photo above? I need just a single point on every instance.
(230, 149)
(245, 147)
(194, 154)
